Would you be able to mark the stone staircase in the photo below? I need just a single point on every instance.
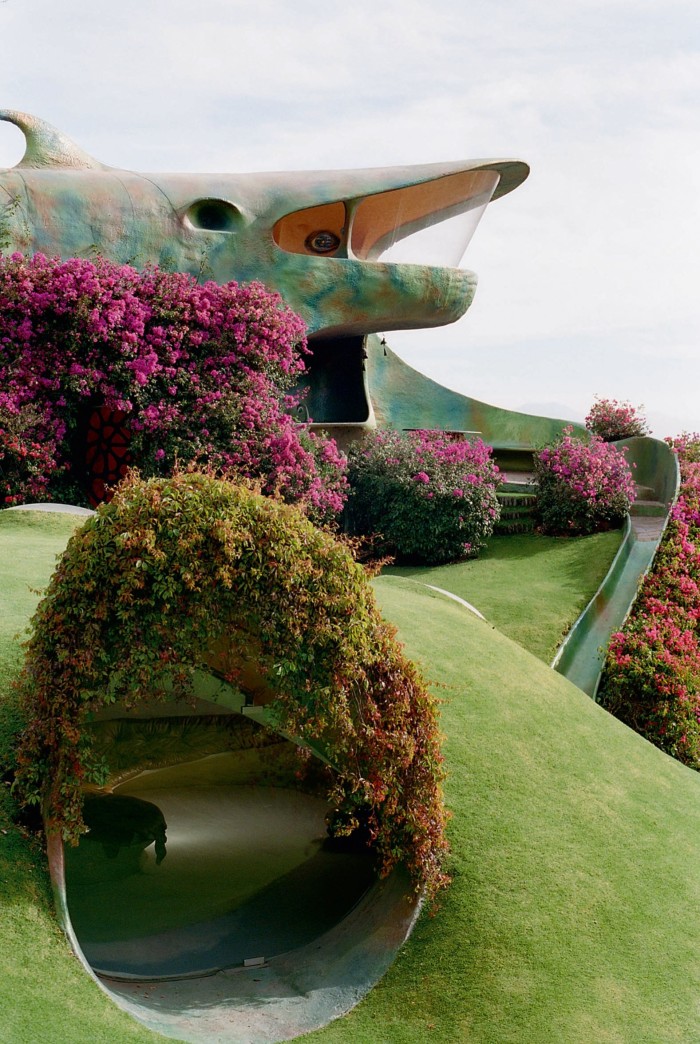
(517, 513)
(517, 499)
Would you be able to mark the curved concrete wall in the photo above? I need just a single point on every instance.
(404, 398)
(581, 656)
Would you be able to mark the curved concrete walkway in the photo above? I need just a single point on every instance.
(64, 509)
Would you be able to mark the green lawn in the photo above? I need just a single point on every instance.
(531, 587)
(575, 845)
(576, 863)
(45, 996)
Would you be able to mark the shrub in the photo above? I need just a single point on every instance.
(613, 420)
(173, 570)
(651, 679)
(26, 457)
(687, 447)
(200, 374)
(431, 498)
(582, 486)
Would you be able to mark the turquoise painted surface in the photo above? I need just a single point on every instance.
(581, 656)
(655, 466)
(59, 200)
(404, 398)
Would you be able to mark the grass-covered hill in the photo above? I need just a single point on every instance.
(575, 844)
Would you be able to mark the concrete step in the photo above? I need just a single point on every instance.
(647, 527)
(517, 511)
(519, 501)
(510, 526)
(650, 508)
(518, 486)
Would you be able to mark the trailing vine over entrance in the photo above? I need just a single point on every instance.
(174, 569)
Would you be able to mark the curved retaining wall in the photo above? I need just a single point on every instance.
(581, 656)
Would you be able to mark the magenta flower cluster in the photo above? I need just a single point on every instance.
(431, 496)
(613, 420)
(652, 672)
(583, 485)
(204, 373)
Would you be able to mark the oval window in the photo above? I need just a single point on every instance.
(214, 215)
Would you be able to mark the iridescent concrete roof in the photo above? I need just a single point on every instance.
(336, 244)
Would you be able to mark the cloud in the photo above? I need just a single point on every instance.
(588, 272)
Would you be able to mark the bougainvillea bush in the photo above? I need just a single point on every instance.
(429, 497)
(202, 373)
(613, 420)
(583, 485)
(172, 570)
(652, 671)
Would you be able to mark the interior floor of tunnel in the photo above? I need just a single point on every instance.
(214, 875)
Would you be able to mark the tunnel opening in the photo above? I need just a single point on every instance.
(210, 852)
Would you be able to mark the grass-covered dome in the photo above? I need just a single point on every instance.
(171, 570)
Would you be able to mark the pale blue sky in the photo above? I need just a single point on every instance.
(589, 273)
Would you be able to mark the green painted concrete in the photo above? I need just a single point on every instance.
(404, 398)
(582, 655)
(59, 200)
(655, 467)
(290, 994)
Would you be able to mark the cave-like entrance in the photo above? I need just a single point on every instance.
(184, 616)
(207, 848)
(334, 388)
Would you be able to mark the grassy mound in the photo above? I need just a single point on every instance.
(44, 993)
(531, 587)
(576, 853)
(576, 862)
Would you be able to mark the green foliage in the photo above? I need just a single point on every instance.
(173, 570)
(652, 670)
(429, 498)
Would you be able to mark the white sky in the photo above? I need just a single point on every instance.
(589, 273)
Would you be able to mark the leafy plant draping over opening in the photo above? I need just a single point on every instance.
(169, 570)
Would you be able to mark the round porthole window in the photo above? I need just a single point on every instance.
(214, 215)
(322, 242)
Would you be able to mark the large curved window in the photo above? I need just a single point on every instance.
(428, 224)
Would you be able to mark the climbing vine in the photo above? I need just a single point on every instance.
(174, 568)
